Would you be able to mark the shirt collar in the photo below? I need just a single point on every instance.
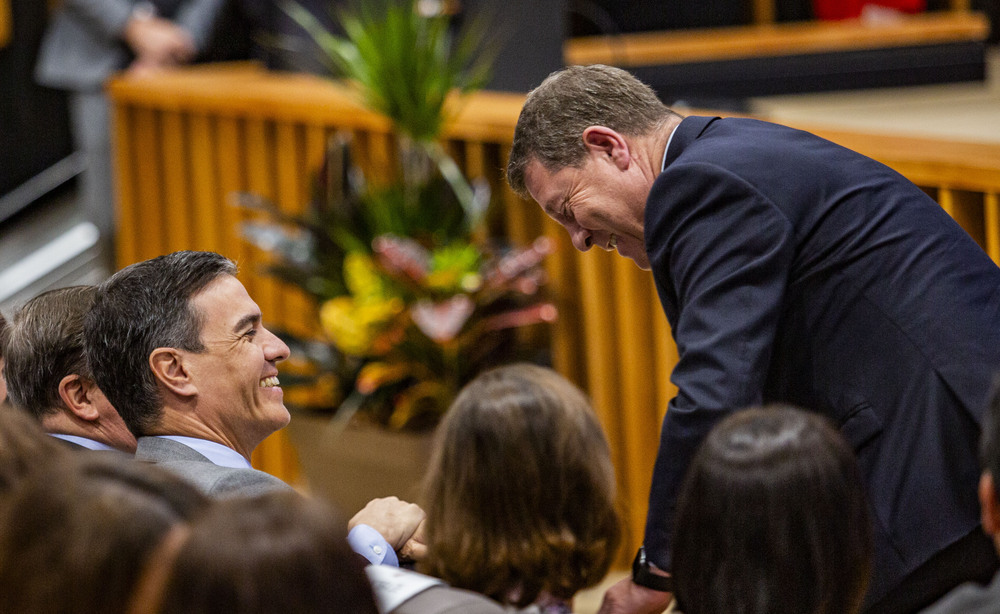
(90, 444)
(216, 452)
(663, 163)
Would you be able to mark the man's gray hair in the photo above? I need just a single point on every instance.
(550, 127)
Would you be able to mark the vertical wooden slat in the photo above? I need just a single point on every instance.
(763, 12)
(178, 226)
(568, 349)
(637, 393)
(206, 195)
(261, 181)
(150, 210)
(293, 175)
(991, 213)
(231, 169)
(967, 210)
(126, 238)
(597, 286)
(946, 198)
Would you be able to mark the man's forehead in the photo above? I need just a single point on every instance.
(224, 302)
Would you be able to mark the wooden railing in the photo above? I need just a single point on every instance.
(186, 141)
(770, 39)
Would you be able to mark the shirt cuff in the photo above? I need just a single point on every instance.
(370, 544)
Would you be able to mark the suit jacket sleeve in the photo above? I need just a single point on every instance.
(103, 18)
(721, 254)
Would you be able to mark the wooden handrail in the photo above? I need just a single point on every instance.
(771, 40)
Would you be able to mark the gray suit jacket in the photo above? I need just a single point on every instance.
(212, 479)
(447, 600)
(82, 46)
(970, 599)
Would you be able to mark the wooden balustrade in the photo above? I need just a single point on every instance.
(185, 141)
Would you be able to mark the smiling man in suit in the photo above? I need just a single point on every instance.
(48, 374)
(791, 270)
(182, 351)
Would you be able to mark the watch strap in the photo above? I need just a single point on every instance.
(644, 576)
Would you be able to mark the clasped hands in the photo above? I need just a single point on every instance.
(400, 523)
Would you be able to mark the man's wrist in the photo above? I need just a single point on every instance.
(649, 576)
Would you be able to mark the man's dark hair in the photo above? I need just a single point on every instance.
(989, 445)
(772, 517)
(140, 308)
(44, 345)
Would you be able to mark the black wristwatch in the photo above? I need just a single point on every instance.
(643, 576)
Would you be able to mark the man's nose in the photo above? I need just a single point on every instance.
(275, 349)
(581, 238)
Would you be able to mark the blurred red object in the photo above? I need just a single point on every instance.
(850, 9)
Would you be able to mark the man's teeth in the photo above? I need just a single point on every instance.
(268, 382)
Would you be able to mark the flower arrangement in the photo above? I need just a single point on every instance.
(413, 298)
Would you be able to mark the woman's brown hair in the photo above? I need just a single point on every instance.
(520, 493)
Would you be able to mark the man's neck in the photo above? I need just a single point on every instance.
(186, 423)
(62, 423)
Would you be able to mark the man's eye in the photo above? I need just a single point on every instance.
(250, 333)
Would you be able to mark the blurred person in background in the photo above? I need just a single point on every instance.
(276, 552)
(87, 42)
(76, 535)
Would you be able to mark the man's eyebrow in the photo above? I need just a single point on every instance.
(247, 320)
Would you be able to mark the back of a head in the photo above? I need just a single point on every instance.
(74, 537)
(140, 308)
(772, 519)
(24, 448)
(278, 552)
(45, 345)
(555, 114)
(520, 492)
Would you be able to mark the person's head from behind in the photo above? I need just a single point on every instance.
(772, 519)
(24, 448)
(181, 349)
(48, 372)
(277, 552)
(520, 492)
(989, 458)
(578, 151)
(74, 537)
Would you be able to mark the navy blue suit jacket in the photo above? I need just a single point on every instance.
(794, 270)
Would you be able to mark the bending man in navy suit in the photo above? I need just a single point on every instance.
(791, 270)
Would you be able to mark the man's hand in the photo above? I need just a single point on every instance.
(158, 42)
(627, 597)
(399, 522)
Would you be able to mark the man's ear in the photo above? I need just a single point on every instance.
(988, 504)
(73, 392)
(606, 143)
(169, 369)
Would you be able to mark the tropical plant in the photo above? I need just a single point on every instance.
(413, 298)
